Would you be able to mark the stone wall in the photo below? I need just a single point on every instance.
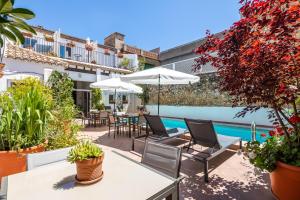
(204, 93)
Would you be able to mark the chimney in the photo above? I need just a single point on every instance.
(115, 40)
(156, 50)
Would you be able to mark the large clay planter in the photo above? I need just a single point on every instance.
(89, 170)
(285, 182)
(12, 162)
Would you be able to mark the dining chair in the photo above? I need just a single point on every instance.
(35, 160)
(142, 124)
(114, 123)
(163, 158)
(103, 117)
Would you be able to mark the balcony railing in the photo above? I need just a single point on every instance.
(69, 51)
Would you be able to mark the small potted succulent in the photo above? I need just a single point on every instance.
(88, 158)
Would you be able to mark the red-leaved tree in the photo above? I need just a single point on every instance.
(258, 58)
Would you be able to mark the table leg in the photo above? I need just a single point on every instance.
(129, 126)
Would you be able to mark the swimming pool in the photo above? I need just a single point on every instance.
(224, 129)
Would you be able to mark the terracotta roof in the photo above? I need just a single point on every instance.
(95, 66)
(16, 52)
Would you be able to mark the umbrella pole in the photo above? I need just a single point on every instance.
(115, 101)
(158, 96)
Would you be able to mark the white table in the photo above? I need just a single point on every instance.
(123, 179)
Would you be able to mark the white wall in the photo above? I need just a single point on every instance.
(226, 114)
(19, 69)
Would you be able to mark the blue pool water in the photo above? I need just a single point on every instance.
(230, 130)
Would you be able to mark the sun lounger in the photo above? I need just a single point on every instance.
(203, 133)
(159, 131)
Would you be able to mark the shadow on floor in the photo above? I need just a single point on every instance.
(224, 184)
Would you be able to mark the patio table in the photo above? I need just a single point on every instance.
(129, 117)
(123, 179)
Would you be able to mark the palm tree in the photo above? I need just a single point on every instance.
(12, 22)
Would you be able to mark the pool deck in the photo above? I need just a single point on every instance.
(231, 175)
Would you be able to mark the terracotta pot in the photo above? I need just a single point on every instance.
(285, 181)
(12, 162)
(49, 39)
(88, 170)
(2, 65)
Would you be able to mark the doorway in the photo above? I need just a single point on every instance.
(82, 99)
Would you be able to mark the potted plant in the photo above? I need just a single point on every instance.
(280, 156)
(24, 116)
(93, 62)
(106, 52)
(29, 35)
(258, 65)
(71, 44)
(120, 55)
(2, 65)
(49, 38)
(88, 158)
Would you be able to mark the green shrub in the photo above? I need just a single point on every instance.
(97, 99)
(58, 139)
(83, 151)
(63, 129)
(62, 86)
(25, 112)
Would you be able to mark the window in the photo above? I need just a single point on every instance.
(41, 48)
(111, 98)
(29, 42)
(124, 99)
(69, 52)
(105, 73)
(62, 51)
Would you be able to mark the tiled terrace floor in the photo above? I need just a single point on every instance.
(231, 176)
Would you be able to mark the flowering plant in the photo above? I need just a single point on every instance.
(258, 61)
(277, 147)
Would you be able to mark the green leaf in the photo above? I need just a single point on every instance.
(1, 42)
(5, 5)
(17, 33)
(21, 13)
(23, 26)
(9, 35)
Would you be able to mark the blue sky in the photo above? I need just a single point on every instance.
(146, 23)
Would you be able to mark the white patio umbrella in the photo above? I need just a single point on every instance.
(160, 76)
(116, 85)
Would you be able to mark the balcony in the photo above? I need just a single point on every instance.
(70, 51)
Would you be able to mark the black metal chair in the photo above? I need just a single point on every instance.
(203, 134)
(159, 132)
(163, 158)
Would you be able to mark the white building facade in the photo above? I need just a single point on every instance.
(85, 61)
